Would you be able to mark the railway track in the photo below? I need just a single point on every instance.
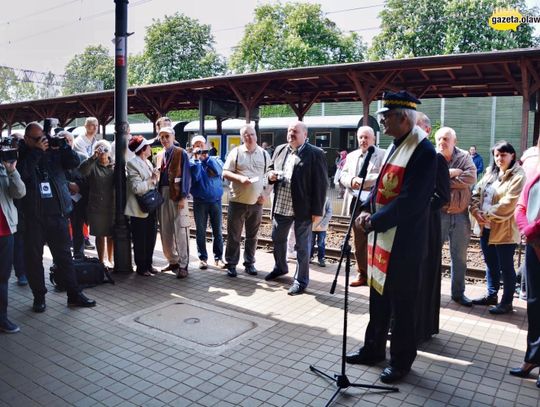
(334, 254)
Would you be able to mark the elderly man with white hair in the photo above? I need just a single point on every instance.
(245, 168)
(351, 181)
(300, 178)
(455, 222)
(84, 143)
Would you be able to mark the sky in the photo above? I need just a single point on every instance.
(43, 35)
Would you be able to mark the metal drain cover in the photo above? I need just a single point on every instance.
(200, 326)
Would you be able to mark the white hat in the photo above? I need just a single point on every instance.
(167, 129)
(196, 139)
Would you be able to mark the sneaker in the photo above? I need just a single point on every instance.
(295, 289)
(219, 263)
(231, 272)
(88, 245)
(9, 327)
(80, 300)
(322, 263)
(22, 281)
(203, 265)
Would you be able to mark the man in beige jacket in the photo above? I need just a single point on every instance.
(350, 180)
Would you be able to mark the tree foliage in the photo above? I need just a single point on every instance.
(85, 71)
(293, 35)
(438, 27)
(177, 48)
(14, 90)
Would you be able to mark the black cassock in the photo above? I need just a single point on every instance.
(429, 298)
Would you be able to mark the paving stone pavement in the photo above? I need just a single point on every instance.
(85, 357)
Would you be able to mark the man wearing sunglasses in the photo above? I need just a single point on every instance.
(47, 206)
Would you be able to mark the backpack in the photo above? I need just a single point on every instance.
(89, 271)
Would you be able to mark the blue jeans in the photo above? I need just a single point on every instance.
(201, 212)
(302, 230)
(499, 260)
(6, 254)
(457, 229)
(318, 238)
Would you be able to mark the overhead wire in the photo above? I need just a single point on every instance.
(60, 27)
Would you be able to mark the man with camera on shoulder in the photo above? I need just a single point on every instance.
(43, 161)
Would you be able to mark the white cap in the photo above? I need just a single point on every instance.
(197, 139)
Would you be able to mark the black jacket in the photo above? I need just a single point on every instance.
(31, 165)
(309, 181)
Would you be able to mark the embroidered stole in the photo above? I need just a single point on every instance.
(388, 187)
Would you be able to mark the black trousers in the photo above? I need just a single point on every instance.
(143, 233)
(533, 306)
(54, 231)
(401, 306)
(77, 218)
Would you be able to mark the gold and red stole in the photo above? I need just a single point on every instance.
(388, 188)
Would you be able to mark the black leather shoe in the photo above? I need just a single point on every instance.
(463, 301)
(538, 382)
(251, 270)
(80, 300)
(523, 370)
(39, 305)
(231, 272)
(486, 300)
(392, 374)
(171, 267)
(274, 274)
(361, 357)
(501, 309)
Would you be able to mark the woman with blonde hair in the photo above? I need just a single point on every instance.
(528, 221)
(99, 173)
(493, 203)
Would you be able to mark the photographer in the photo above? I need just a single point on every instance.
(43, 161)
(11, 187)
(206, 189)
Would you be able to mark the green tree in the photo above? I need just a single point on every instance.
(85, 72)
(437, 27)
(178, 48)
(14, 90)
(293, 35)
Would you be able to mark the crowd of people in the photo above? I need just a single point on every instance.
(413, 189)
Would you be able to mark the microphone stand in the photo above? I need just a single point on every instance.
(341, 380)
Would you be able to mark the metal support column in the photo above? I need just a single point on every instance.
(122, 241)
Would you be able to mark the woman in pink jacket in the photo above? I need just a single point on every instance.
(528, 221)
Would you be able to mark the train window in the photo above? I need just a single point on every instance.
(267, 137)
(352, 144)
(322, 138)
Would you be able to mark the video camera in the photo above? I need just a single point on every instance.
(8, 149)
(54, 141)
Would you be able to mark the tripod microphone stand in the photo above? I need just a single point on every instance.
(341, 380)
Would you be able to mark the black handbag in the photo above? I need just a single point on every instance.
(150, 201)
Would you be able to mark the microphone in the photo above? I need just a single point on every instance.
(363, 171)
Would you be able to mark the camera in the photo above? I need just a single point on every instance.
(54, 141)
(8, 149)
(201, 152)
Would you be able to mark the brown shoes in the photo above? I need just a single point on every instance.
(359, 282)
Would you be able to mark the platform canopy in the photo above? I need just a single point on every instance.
(498, 73)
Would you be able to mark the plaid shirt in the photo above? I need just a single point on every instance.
(283, 197)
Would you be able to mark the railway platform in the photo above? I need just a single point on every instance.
(143, 345)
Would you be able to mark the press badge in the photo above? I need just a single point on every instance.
(45, 190)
